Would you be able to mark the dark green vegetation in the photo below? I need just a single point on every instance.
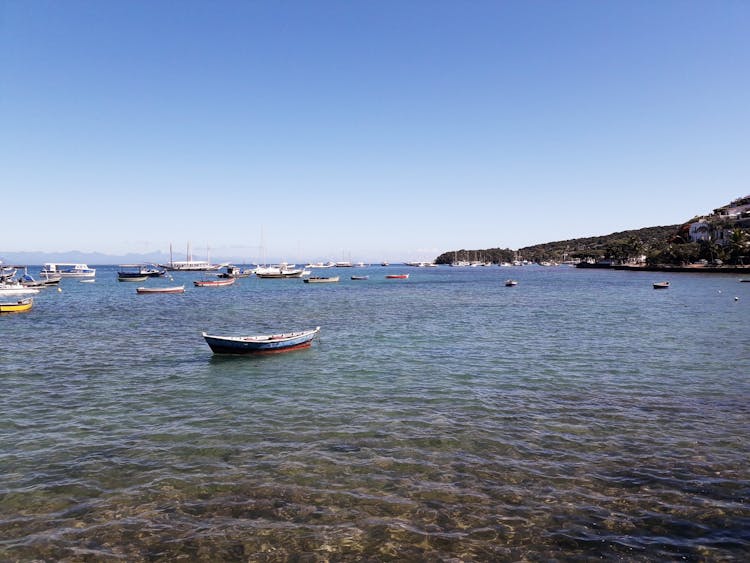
(622, 244)
(729, 243)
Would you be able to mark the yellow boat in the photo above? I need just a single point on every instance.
(18, 306)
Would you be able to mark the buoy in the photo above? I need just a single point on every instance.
(59, 289)
(736, 298)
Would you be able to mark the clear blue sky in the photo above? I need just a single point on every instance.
(365, 130)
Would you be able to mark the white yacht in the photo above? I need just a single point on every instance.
(67, 270)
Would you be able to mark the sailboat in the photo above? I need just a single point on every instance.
(190, 265)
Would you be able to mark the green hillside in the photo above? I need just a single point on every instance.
(727, 239)
(597, 247)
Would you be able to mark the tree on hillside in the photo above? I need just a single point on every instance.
(624, 250)
(737, 248)
(635, 247)
(675, 254)
(710, 251)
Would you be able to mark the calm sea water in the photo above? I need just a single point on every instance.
(579, 415)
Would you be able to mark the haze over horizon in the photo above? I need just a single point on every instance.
(365, 131)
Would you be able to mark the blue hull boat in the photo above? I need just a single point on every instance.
(261, 344)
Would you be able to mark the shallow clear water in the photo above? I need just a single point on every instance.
(580, 414)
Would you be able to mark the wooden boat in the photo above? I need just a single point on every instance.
(214, 283)
(661, 285)
(261, 344)
(321, 279)
(172, 289)
(18, 306)
(397, 277)
(360, 277)
(130, 278)
(139, 272)
(511, 283)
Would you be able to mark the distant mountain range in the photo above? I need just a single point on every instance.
(649, 238)
(37, 258)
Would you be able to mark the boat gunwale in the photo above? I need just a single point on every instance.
(264, 338)
(20, 306)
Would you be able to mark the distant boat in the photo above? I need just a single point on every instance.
(236, 272)
(6, 272)
(17, 306)
(15, 288)
(321, 279)
(279, 272)
(68, 270)
(261, 344)
(511, 283)
(27, 280)
(214, 283)
(139, 272)
(190, 265)
(172, 289)
(397, 277)
(745, 280)
(360, 277)
(661, 285)
(130, 273)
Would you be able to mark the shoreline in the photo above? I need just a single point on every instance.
(699, 269)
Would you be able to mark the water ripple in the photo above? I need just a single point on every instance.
(575, 417)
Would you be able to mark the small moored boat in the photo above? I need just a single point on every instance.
(360, 278)
(282, 271)
(68, 270)
(511, 283)
(214, 283)
(172, 289)
(397, 277)
(321, 279)
(236, 272)
(139, 272)
(131, 278)
(661, 285)
(15, 288)
(17, 306)
(261, 344)
(27, 280)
